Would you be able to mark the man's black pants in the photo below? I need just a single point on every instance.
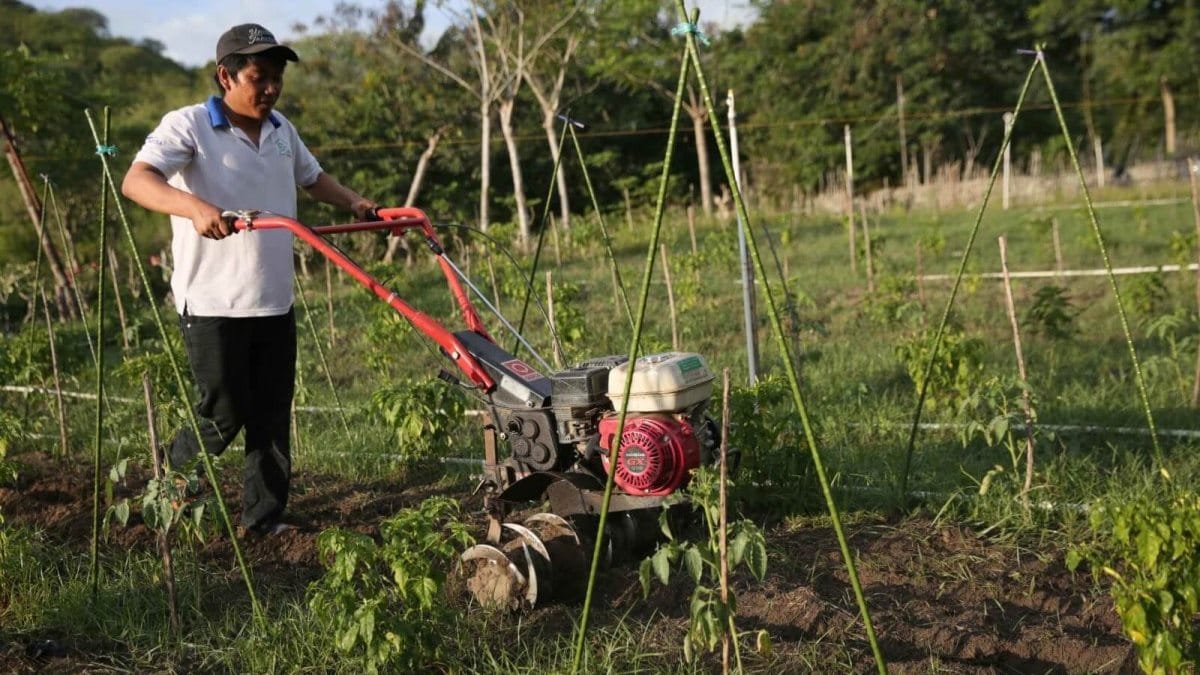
(245, 371)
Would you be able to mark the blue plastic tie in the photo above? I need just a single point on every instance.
(110, 150)
(686, 27)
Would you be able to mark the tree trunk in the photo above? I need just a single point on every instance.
(414, 189)
(507, 107)
(62, 292)
(1168, 99)
(903, 135)
(485, 163)
(700, 130)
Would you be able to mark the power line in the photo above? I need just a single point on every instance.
(656, 131)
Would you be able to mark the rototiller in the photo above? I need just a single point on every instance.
(559, 429)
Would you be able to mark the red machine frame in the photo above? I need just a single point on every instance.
(398, 220)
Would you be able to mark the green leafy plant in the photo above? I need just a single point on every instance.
(893, 302)
(116, 511)
(1149, 548)
(383, 598)
(1182, 246)
(1051, 314)
(711, 618)
(955, 369)
(764, 433)
(568, 315)
(1145, 294)
(1175, 331)
(170, 503)
(11, 431)
(422, 414)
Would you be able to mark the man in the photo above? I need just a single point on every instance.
(234, 293)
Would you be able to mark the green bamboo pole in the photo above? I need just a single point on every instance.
(72, 264)
(634, 346)
(962, 268)
(1112, 279)
(612, 258)
(193, 421)
(94, 561)
(781, 339)
(537, 253)
(321, 353)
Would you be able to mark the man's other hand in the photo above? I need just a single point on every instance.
(361, 207)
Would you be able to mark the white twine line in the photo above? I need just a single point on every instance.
(1050, 274)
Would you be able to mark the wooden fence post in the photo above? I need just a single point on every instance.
(164, 544)
(670, 299)
(1026, 405)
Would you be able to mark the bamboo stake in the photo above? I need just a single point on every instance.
(116, 284)
(337, 399)
(616, 285)
(1058, 255)
(295, 420)
(608, 249)
(581, 629)
(1139, 379)
(724, 523)
(935, 344)
(1026, 404)
(691, 220)
(72, 264)
(866, 228)
(781, 339)
(1193, 167)
(558, 355)
(329, 304)
(492, 277)
(164, 544)
(193, 421)
(557, 243)
(920, 276)
(1009, 120)
(58, 395)
(670, 299)
(95, 552)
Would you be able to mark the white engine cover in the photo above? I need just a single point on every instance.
(666, 382)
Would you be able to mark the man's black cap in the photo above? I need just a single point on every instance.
(251, 38)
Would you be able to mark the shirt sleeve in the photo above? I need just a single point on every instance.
(306, 167)
(171, 146)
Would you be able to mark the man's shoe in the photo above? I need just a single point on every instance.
(268, 528)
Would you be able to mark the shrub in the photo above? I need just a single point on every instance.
(383, 598)
(1150, 548)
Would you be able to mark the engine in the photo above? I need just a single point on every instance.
(656, 455)
(666, 434)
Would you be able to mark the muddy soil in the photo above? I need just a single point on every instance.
(943, 598)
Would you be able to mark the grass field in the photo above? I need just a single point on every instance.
(960, 576)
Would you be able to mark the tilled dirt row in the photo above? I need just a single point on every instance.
(942, 598)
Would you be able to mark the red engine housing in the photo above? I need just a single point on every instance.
(657, 453)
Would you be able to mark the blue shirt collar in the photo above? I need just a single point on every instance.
(216, 113)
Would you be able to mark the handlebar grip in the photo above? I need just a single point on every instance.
(371, 215)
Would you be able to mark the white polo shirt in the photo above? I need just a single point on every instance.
(199, 151)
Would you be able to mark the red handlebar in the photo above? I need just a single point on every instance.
(398, 220)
